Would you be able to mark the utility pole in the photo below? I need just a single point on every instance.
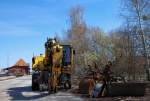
(7, 61)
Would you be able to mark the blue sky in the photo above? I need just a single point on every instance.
(25, 24)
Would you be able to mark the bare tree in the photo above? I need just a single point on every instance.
(90, 43)
(76, 35)
(137, 14)
(100, 45)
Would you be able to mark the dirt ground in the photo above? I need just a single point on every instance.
(19, 89)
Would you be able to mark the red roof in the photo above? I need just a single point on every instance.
(21, 62)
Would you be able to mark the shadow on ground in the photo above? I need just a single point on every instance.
(24, 93)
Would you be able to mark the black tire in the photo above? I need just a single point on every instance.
(33, 87)
(40, 88)
(33, 84)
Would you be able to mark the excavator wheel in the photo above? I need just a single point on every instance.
(35, 86)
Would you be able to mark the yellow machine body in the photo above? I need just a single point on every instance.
(57, 62)
(38, 62)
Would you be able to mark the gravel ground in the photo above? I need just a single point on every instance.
(19, 89)
(6, 77)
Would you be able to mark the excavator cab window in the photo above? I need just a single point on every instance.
(66, 55)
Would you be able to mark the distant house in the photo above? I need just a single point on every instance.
(20, 68)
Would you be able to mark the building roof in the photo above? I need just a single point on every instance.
(21, 62)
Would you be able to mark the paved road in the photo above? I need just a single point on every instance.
(20, 89)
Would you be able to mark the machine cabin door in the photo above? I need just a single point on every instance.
(66, 60)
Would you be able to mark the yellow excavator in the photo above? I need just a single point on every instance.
(53, 69)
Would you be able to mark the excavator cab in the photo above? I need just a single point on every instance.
(67, 66)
